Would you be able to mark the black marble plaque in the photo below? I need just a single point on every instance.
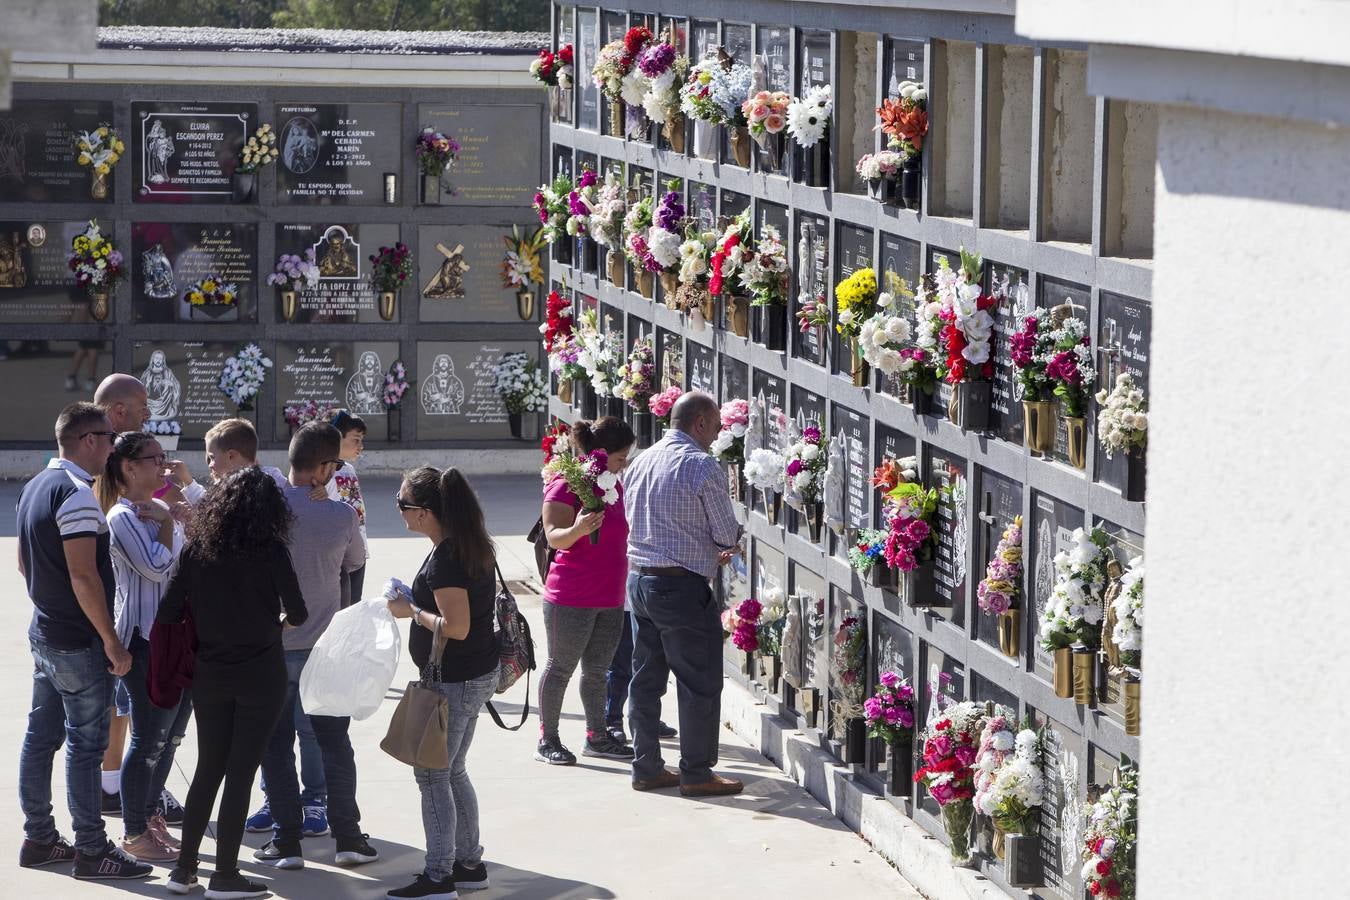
(775, 397)
(815, 59)
(1124, 545)
(337, 154)
(187, 152)
(459, 273)
(670, 358)
(811, 253)
(947, 473)
(1050, 530)
(495, 166)
(774, 214)
(942, 396)
(703, 205)
(732, 205)
(1061, 811)
(735, 380)
(810, 407)
(168, 258)
(182, 382)
(586, 51)
(851, 428)
(335, 374)
(999, 501)
(853, 251)
(562, 161)
(896, 445)
(736, 41)
(904, 63)
(1009, 285)
(986, 691)
(1125, 330)
(456, 392)
(899, 260)
(36, 284)
(775, 46)
(705, 39)
(944, 682)
(50, 374)
(345, 293)
(892, 651)
(38, 159)
(810, 588)
(1053, 293)
(701, 368)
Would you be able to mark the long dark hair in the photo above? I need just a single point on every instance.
(451, 499)
(110, 483)
(609, 433)
(244, 517)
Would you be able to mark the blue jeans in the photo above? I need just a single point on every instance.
(155, 736)
(72, 700)
(619, 674)
(676, 628)
(449, 803)
(339, 765)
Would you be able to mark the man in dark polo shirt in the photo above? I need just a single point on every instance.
(64, 558)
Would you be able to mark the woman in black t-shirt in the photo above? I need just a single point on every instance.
(453, 594)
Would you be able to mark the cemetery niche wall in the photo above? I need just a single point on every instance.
(961, 360)
(215, 252)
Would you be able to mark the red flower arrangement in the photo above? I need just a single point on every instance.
(558, 322)
(556, 432)
(633, 42)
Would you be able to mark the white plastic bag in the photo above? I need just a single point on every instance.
(352, 665)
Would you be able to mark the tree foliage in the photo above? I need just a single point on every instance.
(375, 15)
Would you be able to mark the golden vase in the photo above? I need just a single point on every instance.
(288, 305)
(565, 391)
(614, 263)
(98, 187)
(1082, 676)
(646, 283)
(1132, 713)
(740, 145)
(616, 118)
(738, 313)
(388, 301)
(1038, 421)
(1009, 632)
(1063, 678)
(674, 130)
(1077, 441)
(670, 286)
(707, 306)
(525, 304)
(100, 304)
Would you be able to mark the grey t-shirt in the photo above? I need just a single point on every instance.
(325, 542)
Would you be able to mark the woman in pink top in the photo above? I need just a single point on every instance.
(583, 598)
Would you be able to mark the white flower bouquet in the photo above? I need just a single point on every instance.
(243, 374)
(1122, 423)
(1128, 606)
(518, 380)
(809, 116)
(1074, 612)
(764, 470)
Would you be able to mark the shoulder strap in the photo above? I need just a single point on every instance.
(431, 672)
(524, 710)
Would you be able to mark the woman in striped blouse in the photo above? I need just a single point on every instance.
(145, 542)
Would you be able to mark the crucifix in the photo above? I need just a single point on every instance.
(448, 282)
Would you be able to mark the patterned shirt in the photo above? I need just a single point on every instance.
(143, 567)
(679, 512)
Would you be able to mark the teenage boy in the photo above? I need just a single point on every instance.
(345, 486)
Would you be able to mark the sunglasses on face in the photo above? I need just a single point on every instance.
(110, 435)
(404, 505)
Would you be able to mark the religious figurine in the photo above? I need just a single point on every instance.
(162, 390)
(159, 280)
(448, 282)
(158, 148)
(754, 429)
(792, 642)
(300, 145)
(365, 389)
(337, 260)
(12, 271)
(442, 393)
(836, 484)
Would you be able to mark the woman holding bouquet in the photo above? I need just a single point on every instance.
(584, 594)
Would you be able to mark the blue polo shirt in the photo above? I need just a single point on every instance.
(58, 504)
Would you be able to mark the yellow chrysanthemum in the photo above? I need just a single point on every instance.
(84, 159)
(196, 298)
(208, 285)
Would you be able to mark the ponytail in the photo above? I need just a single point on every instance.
(451, 499)
(609, 433)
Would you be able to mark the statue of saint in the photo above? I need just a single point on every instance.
(158, 149)
(162, 390)
(159, 280)
(337, 262)
(836, 484)
(12, 272)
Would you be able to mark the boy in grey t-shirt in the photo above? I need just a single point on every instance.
(325, 542)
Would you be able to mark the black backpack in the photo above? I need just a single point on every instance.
(543, 553)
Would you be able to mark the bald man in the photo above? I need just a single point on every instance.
(681, 527)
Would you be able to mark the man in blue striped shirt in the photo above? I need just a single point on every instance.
(681, 527)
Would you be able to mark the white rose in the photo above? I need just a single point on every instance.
(802, 482)
(738, 430)
(606, 480)
(810, 452)
(919, 95)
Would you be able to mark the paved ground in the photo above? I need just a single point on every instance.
(557, 833)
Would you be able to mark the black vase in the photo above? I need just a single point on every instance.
(1135, 474)
(900, 771)
(587, 254)
(815, 520)
(394, 429)
(970, 403)
(1022, 867)
(241, 186)
(614, 407)
(911, 181)
(922, 402)
(814, 163)
(562, 250)
(923, 592)
(585, 394)
(855, 742)
(773, 505)
(771, 325)
(514, 421)
(643, 425)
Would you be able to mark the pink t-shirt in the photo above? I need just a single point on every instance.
(586, 574)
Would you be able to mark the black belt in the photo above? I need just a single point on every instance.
(669, 572)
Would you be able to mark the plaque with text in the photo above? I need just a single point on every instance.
(1125, 329)
(36, 284)
(999, 501)
(342, 251)
(853, 251)
(898, 272)
(849, 426)
(774, 391)
(187, 152)
(52, 374)
(704, 38)
(1124, 546)
(812, 276)
(815, 59)
(335, 374)
(937, 407)
(337, 154)
(735, 382)
(1050, 531)
(894, 444)
(810, 587)
(701, 366)
(732, 205)
(587, 49)
(670, 358)
(456, 389)
(904, 62)
(944, 682)
(736, 41)
(562, 161)
(774, 214)
(38, 159)
(182, 381)
(775, 48)
(495, 166)
(459, 274)
(1053, 293)
(809, 406)
(1008, 285)
(1061, 812)
(948, 474)
(892, 650)
(173, 261)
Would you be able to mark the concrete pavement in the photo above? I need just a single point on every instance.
(573, 833)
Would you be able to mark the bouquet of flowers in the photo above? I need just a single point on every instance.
(764, 469)
(742, 624)
(1074, 613)
(1002, 582)
(905, 121)
(729, 259)
(879, 166)
(395, 385)
(766, 113)
(555, 441)
(1122, 423)
(601, 354)
(294, 273)
(588, 476)
(550, 203)
(812, 312)
(666, 233)
(436, 152)
(663, 72)
(889, 712)
(849, 665)
(165, 427)
(1110, 838)
(521, 267)
(1128, 605)
(694, 255)
(213, 291)
(1009, 782)
(520, 384)
(765, 274)
(557, 320)
(581, 199)
(716, 91)
(663, 402)
(949, 749)
(553, 69)
(242, 375)
(564, 360)
(297, 414)
(635, 375)
(855, 301)
(772, 618)
(93, 259)
(882, 338)
(868, 550)
(607, 215)
(260, 150)
(892, 472)
(615, 61)
(911, 514)
(808, 118)
(390, 267)
(1031, 347)
(99, 149)
(804, 464)
(965, 327)
(1070, 368)
(729, 445)
(636, 224)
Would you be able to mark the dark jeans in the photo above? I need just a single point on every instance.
(313, 791)
(619, 674)
(355, 583)
(676, 628)
(72, 702)
(155, 736)
(233, 728)
(339, 766)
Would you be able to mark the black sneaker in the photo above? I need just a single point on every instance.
(470, 878)
(280, 854)
(110, 864)
(181, 880)
(112, 804)
(551, 751)
(425, 888)
(606, 747)
(355, 851)
(616, 734)
(170, 808)
(233, 886)
(665, 731)
(33, 855)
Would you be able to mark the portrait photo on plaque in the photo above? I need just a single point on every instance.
(52, 374)
(337, 154)
(345, 293)
(38, 159)
(458, 269)
(495, 166)
(36, 284)
(456, 389)
(182, 380)
(187, 152)
(194, 272)
(326, 376)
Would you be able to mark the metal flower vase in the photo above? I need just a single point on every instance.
(646, 284)
(900, 769)
(1022, 860)
(388, 305)
(242, 185)
(1038, 425)
(705, 140)
(738, 315)
(100, 304)
(1084, 670)
(616, 117)
(1077, 426)
(814, 163)
(1063, 673)
(859, 371)
(768, 671)
(590, 403)
(643, 426)
(1009, 632)
(673, 129)
(911, 181)
(98, 186)
(515, 422)
(815, 519)
(670, 286)
(922, 587)
(740, 145)
(394, 424)
(1130, 689)
(525, 303)
(773, 504)
(854, 748)
(969, 405)
(614, 265)
(772, 325)
(431, 190)
(288, 305)
(565, 391)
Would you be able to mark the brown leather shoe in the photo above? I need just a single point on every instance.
(667, 779)
(717, 787)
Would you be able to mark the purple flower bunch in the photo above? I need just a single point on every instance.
(889, 712)
(669, 212)
(395, 385)
(435, 151)
(745, 634)
(1063, 367)
(638, 245)
(1003, 577)
(656, 60)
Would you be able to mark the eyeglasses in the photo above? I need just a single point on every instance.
(404, 505)
(159, 458)
(110, 435)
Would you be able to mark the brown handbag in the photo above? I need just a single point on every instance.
(417, 731)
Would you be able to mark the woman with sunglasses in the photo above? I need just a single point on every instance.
(145, 542)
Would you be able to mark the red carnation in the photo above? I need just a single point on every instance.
(565, 54)
(1095, 888)
(634, 40)
(1113, 888)
(1103, 867)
